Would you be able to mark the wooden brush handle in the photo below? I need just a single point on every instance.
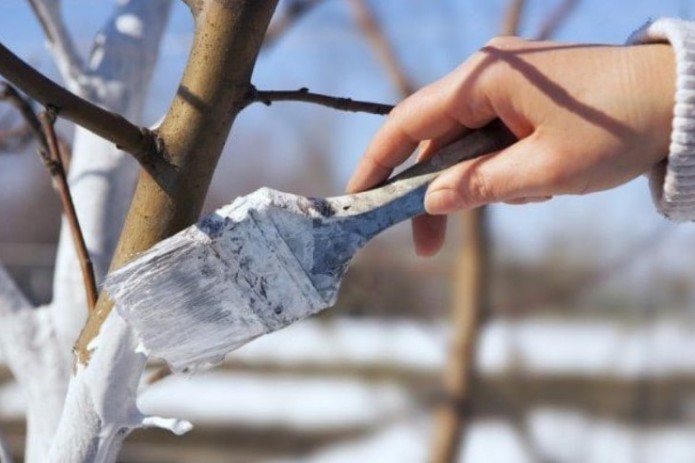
(402, 196)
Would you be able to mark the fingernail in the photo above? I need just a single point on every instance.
(442, 201)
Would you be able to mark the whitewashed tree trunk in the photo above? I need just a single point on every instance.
(99, 407)
(101, 176)
(37, 343)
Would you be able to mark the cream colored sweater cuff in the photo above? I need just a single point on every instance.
(673, 181)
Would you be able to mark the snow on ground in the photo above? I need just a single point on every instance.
(224, 398)
(552, 435)
(258, 400)
(400, 343)
(543, 346)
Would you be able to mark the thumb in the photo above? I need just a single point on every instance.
(515, 172)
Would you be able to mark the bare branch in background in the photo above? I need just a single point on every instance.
(555, 19)
(512, 18)
(16, 138)
(267, 97)
(11, 96)
(50, 154)
(13, 139)
(59, 41)
(295, 10)
(370, 28)
(469, 308)
(139, 141)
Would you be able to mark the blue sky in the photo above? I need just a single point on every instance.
(325, 53)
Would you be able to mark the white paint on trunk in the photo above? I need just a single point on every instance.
(101, 405)
(38, 343)
(33, 353)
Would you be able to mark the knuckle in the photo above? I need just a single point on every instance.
(504, 42)
(477, 188)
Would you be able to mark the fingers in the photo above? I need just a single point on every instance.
(427, 148)
(428, 234)
(456, 101)
(520, 171)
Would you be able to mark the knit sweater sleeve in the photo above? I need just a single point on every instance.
(673, 181)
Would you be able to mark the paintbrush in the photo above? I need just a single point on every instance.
(266, 260)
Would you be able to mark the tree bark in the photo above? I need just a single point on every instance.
(100, 408)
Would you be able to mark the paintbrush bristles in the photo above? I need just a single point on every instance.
(213, 287)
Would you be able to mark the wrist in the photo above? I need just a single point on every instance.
(673, 180)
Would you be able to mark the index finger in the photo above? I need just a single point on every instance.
(429, 113)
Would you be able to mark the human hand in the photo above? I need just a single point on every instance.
(588, 118)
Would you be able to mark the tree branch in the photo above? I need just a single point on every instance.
(555, 19)
(217, 77)
(139, 141)
(60, 43)
(50, 153)
(292, 13)
(10, 95)
(30, 129)
(470, 305)
(267, 97)
(512, 18)
(53, 161)
(370, 28)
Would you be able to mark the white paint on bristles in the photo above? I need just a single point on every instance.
(214, 287)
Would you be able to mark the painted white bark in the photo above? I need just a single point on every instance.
(91, 421)
(101, 176)
(58, 41)
(100, 406)
(37, 361)
(5, 451)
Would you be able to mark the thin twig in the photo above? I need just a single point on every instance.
(139, 141)
(16, 138)
(512, 18)
(53, 162)
(31, 127)
(555, 19)
(365, 19)
(52, 157)
(67, 60)
(267, 97)
(11, 96)
(295, 10)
